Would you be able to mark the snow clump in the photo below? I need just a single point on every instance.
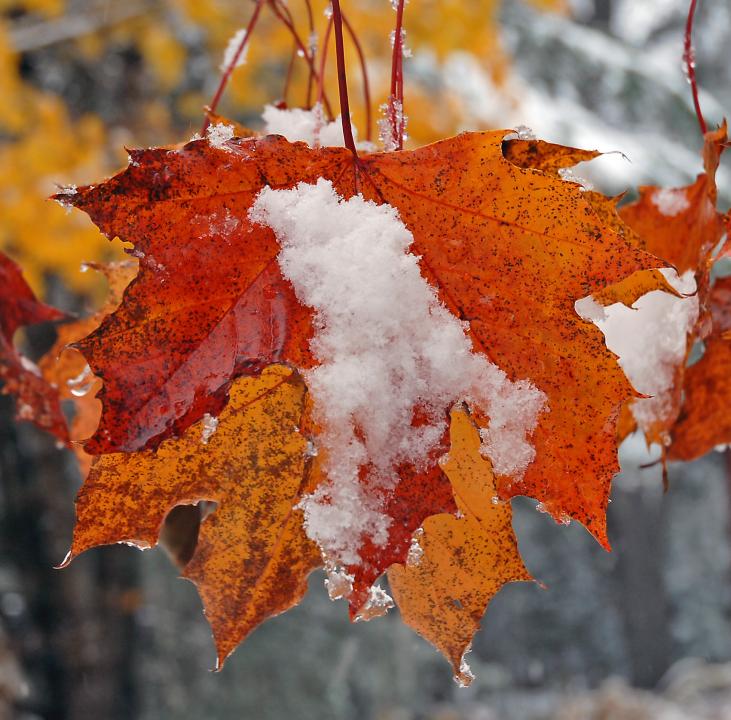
(387, 346)
(650, 339)
(232, 48)
(309, 126)
(670, 202)
(219, 134)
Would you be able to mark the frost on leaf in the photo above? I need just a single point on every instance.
(465, 561)
(252, 558)
(35, 399)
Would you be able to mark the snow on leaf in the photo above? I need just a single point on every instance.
(464, 561)
(252, 557)
(349, 261)
(506, 250)
(35, 399)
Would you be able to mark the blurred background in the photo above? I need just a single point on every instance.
(641, 633)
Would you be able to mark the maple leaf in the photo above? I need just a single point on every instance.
(36, 400)
(704, 421)
(459, 563)
(509, 250)
(252, 557)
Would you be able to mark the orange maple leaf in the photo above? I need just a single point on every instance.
(508, 249)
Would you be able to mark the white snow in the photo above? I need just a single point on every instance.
(386, 346)
(522, 132)
(308, 126)
(670, 201)
(379, 602)
(650, 339)
(80, 385)
(210, 425)
(386, 133)
(339, 584)
(416, 552)
(230, 53)
(219, 134)
(465, 675)
(569, 175)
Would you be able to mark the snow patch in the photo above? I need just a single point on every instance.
(338, 583)
(416, 552)
(569, 175)
(232, 48)
(308, 126)
(210, 425)
(29, 366)
(465, 676)
(670, 202)
(650, 339)
(219, 134)
(522, 132)
(387, 346)
(80, 385)
(379, 602)
(389, 139)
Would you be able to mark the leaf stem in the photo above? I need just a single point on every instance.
(689, 59)
(232, 64)
(342, 80)
(396, 101)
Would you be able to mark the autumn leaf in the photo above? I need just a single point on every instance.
(558, 160)
(36, 400)
(458, 563)
(252, 558)
(704, 421)
(509, 250)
